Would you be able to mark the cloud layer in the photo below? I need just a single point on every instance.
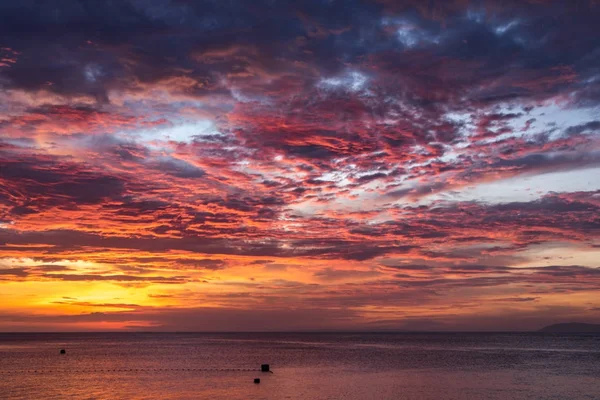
(299, 165)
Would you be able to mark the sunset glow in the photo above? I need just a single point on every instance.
(258, 166)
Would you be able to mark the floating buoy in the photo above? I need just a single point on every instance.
(63, 351)
(256, 380)
(264, 368)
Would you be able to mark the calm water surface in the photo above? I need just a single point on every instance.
(306, 366)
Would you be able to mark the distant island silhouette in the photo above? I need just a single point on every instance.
(571, 327)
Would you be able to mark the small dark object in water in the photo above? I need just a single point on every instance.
(264, 368)
(256, 380)
(63, 351)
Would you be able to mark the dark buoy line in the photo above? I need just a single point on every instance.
(263, 368)
(63, 351)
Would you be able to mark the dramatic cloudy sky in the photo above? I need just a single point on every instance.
(270, 165)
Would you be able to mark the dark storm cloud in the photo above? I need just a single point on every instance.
(91, 48)
(51, 268)
(115, 278)
(407, 57)
(210, 319)
(205, 263)
(248, 203)
(178, 168)
(34, 183)
(517, 299)
(330, 274)
(593, 126)
(14, 272)
(536, 162)
(326, 248)
(411, 267)
(104, 305)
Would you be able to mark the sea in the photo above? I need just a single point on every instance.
(303, 366)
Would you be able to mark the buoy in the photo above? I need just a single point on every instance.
(264, 368)
(63, 351)
(256, 380)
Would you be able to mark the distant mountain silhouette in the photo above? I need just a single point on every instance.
(572, 327)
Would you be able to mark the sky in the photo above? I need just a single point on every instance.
(307, 165)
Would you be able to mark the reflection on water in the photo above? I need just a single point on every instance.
(306, 366)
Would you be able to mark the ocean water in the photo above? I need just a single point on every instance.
(305, 366)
